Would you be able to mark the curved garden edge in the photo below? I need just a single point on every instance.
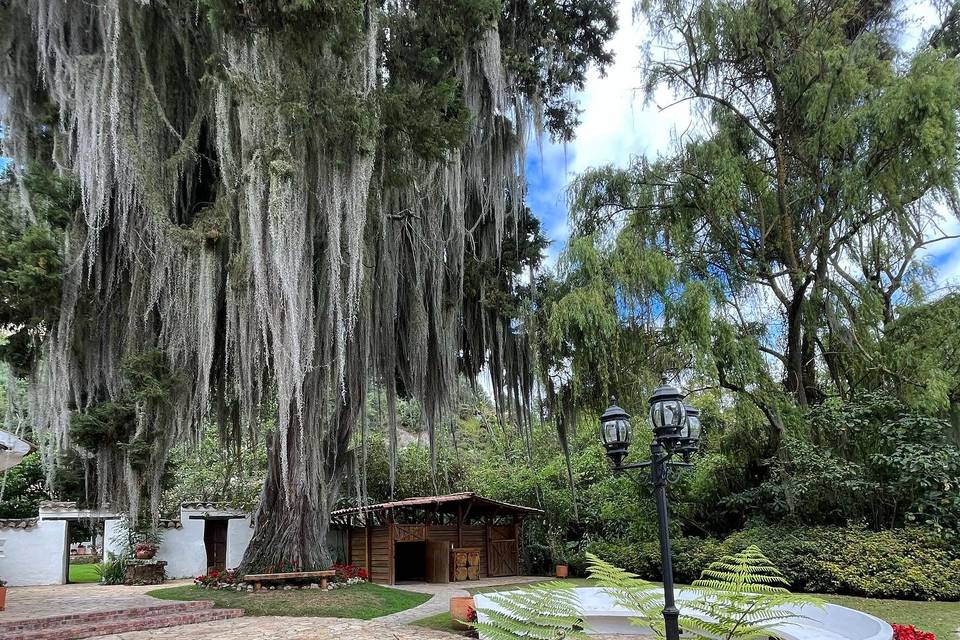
(361, 601)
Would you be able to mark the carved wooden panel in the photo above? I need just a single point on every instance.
(409, 532)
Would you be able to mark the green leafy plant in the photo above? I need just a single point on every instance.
(739, 596)
(742, 596)
(630, 591)
(113, 571)
(546, 610)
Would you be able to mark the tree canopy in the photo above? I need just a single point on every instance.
(279, 203)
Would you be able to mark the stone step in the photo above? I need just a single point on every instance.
(124, 624)
(165, 608)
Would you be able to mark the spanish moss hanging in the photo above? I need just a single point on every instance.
(279, 202)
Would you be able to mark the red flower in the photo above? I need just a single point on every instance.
(909, 632)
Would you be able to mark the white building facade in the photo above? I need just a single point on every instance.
(36, 551)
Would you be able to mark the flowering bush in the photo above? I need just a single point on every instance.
(216, 580)
(347, 572)
(905, 632)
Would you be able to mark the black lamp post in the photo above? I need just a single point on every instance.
(676, 430)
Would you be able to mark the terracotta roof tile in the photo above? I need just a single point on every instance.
(18, 523)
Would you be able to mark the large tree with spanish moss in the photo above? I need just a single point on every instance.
(278, 203)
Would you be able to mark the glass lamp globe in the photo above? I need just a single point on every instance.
(666, 412)
(692, 429)
(616, 433)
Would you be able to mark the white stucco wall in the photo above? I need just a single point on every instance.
(239, 533)
(34, 556)
(184, 549)
(111, 543)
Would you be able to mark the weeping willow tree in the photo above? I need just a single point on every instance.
(279, 202)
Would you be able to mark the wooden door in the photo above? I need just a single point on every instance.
(215, 541)
(503, 558)
(502, 555)
(438, 561)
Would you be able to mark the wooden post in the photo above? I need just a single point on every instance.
(460, 524)
(516, 544)
(369, 534)
(489, 544)
(349, 540)
(391, 561)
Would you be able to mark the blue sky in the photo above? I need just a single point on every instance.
(618, 123)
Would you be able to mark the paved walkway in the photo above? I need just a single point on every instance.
(440, 602)
(40, 602)
(275, 628)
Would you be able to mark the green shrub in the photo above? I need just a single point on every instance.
(898, 563)
(113, 571)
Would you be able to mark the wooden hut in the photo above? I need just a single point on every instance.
(451, 538)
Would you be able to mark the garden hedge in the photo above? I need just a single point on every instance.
(898, 563)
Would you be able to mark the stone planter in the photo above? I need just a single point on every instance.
(562, 570)
(462, 611)
(145, 572)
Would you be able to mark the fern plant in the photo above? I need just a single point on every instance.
(544, 611)
(739, 597)
(742, 596)
(630, 591)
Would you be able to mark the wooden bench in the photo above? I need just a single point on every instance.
(258, 578)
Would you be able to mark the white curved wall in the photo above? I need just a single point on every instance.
(603, 615)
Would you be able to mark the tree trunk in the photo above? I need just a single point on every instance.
(794, 381)
(292, 524)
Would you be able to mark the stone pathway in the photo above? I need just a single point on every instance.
(275, 628)
(24, 603)
(440, 602)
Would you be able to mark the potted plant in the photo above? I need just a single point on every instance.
(462, 612)
(145, 550)
(3, 594)
(560, 549)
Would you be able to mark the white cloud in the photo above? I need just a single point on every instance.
(616, 125)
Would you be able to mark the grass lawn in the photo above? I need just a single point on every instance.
(84, 573)
(940, 618)
(363, 601)
(440, 622)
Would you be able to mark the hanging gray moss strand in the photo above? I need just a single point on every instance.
(278, 198)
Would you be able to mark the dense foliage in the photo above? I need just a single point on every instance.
(23, 488)
(775, 261)
(31, 259)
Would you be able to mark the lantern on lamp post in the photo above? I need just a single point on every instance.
(676, 430)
